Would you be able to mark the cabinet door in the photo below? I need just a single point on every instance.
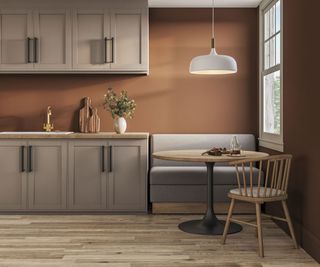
(13, 179)
(16, 48)
(127, 178)
(53, 39)
(87, 175)
(47, 174)
(90, 28)
(130, 44)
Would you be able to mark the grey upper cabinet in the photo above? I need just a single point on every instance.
(13, 178)
(87, 175)
(110, 40)
(34, 40)
(47, 174)
(129, 33)
(127, 180)
(16, 31)
(90, 30)
(52, 40)
(44, 36)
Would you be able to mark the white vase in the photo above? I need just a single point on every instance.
(120, 125)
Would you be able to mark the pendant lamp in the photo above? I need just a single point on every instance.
(213, 63)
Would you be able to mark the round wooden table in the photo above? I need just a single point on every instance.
(209, 225)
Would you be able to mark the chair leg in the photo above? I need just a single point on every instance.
(226, 227)
(260, 238)
(287, 214)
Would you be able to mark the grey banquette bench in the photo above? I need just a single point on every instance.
(181, 184)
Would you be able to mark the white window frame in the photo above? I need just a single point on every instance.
(268, 140)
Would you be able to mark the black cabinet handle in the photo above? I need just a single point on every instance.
(105, 50)
(103, 168)
(112, 55)
(35, 50)
(110, 158)
(28, 50)
(22, 169)
(29, 158)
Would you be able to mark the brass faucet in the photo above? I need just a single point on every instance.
(48, 126)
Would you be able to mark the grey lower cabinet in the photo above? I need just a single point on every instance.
(47, 175)
(13, 178)
(108, 175)
(33, 175)
(74, 175)
(127, 183)
(87, 175)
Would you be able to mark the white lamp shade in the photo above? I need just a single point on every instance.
(213, 64)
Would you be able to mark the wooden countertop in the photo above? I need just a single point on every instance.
(55, 135)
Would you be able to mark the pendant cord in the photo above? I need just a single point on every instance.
(212, 18)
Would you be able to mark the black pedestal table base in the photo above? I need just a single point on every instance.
(209, 225)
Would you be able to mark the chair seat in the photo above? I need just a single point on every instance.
(274, 192)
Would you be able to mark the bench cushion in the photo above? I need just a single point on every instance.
(187, 193)
(196, 175)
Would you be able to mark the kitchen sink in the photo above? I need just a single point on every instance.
(44, 133)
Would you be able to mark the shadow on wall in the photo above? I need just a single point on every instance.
(296, 197)
(11, 123)
(24, 99)
(169, 99)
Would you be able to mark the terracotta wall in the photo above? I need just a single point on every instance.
(301, 119)
(170, 99)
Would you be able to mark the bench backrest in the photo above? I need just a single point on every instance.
(162, 142)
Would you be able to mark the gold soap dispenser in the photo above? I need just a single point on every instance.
(48, 126)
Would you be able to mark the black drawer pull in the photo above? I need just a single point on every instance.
(22, 169)
(29, 158)
(110, 158)
(103, 168)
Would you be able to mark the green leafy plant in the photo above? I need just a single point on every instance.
(119, 106)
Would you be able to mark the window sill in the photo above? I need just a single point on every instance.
(277, 146)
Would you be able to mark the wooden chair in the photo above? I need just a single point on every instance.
(270, 189)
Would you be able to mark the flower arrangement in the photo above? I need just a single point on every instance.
(119, 106)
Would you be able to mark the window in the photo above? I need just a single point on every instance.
(271, 119)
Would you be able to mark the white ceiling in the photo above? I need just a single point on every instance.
(204, 3)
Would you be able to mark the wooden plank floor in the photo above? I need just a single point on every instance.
(135, 241)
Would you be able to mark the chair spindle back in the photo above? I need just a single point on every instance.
(276, 178)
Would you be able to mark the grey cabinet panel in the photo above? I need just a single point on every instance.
(53, 33)
(129, 28)
(89, 30)
(127, 180)
(87, 175)
(16, 28)
(47, 178)
(13, 181)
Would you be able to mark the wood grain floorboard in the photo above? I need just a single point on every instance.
(136, 241)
